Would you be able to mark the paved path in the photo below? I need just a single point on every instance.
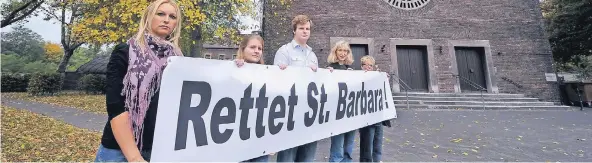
(76, 117)
(498, 136)
(428, 135)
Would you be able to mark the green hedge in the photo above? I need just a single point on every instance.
(45, 83)
(15, 82)
(93, 84)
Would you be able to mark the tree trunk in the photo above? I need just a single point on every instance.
(65, 60)
(197, 46)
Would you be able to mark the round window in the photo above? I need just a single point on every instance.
(407, 4)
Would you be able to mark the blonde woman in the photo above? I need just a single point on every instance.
(341, 145)
(340, 57)
(133, 78)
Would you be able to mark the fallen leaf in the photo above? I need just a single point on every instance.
(465, 153)
(90, 103)
(435, 156)
(31, 137)
(436, 146)
(457, 140)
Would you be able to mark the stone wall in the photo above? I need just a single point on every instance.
(520, 51)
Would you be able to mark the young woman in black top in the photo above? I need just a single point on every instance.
(133, 79)
(250, 50)
(341, 145)
(341, 57)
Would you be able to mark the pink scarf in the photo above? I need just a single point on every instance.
(143, 77)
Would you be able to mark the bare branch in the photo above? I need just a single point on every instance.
(63, 29)
(11, 18)
(53, 15)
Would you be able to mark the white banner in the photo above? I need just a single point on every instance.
(211, 110)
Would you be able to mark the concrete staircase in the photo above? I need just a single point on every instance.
(474, 101)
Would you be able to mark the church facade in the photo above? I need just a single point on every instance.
(435, 46)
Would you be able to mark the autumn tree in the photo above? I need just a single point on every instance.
(68, 13)
(14, 11)
(53, 52)
(222, 24)
(212, 20)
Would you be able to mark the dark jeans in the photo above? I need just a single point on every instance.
(371, 143)
(303, 153)
(342, 146)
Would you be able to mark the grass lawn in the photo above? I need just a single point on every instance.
(30, 137)
(91, 103)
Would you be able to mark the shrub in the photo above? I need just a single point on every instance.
(39, 67)
(93, 84)
(15, 82)
(45, 83)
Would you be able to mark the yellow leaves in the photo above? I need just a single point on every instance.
(90, 103)
(30, 137)
(119, 21)
(53, 52)
(457, 140)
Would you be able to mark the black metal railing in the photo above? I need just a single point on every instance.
(513, 82)
(403, 85)
(474, 85)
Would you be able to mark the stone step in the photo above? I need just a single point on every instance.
(487, 103)
(497, 95)
(427, 98)
(479, 107)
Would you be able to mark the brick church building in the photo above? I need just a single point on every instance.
(499, 45)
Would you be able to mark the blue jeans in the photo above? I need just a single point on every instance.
(264, 158)
(342, 146)
(303, 153)
(115, 155)
(371, 143)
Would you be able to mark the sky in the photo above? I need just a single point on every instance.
(50, 30)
